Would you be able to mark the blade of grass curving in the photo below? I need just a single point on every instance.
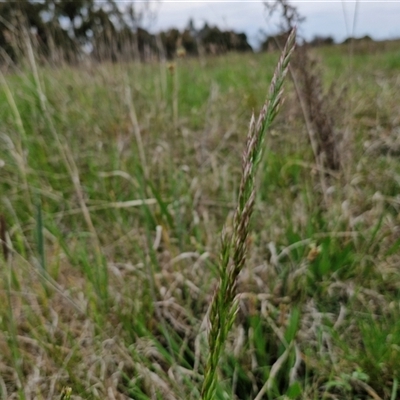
(65, 152)
(39, 236)
(234, 243)
(3, 238)
(40, 244)
(394, 390)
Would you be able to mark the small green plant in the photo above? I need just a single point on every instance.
(66, 393)
(235, 241)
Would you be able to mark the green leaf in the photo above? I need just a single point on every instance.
(294, 391)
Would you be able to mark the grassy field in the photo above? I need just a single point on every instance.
(115, 183)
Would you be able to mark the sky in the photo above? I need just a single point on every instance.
(339, 19)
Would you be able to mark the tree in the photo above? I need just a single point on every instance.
(102, 27)
(216, 41)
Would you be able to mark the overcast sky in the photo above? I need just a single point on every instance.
(379, 19)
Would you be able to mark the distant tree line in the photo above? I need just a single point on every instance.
(70, 29)
(276, 42)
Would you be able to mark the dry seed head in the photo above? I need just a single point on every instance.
(181, 52)
(314, 252)
(171, 67)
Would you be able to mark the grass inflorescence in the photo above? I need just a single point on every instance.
(234, 244)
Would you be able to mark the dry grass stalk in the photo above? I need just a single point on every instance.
(136, 130)
(3, 238)
(313, 101)
(235, 243)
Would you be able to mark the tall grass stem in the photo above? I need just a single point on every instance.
(234, 244)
